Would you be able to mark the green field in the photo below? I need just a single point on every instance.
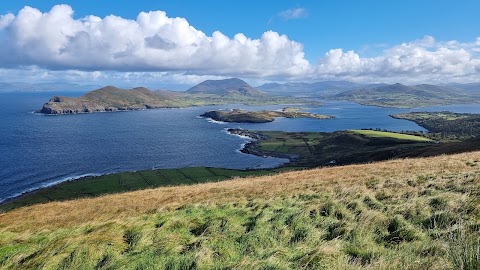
(129, 181)
(385, 134)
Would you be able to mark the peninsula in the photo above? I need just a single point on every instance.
(404, 96)
(243, 116)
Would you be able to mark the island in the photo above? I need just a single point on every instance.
(243, 116)
(210, 92)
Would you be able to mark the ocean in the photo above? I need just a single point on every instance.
(40, 150)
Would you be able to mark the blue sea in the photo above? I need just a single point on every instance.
(39, 150)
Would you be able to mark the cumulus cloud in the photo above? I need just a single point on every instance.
(154, 46)
(420, 60)
(152, 42)
(293, 13)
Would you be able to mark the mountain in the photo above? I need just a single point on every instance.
(107, 99)
(471, 88)
(399, 214)
(110, 98)
(35, 87)
(403, 96)
(231, 86)
(315, 89)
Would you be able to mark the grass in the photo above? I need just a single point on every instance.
(129, 181)
(385, 134)
(399, 214)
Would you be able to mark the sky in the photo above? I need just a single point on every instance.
(173, 44)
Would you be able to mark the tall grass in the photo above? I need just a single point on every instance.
(334, 218)
(464, 247)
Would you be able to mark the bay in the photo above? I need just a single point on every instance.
(39, 150)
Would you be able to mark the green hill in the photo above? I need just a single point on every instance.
(403, 96)
(400, 214)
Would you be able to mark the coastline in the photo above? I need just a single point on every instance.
(86, 179)
(251, 147)
(33, 190)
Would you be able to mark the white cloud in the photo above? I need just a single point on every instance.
(422, 60)
(5, 20)
(293, 13)
(56, 46)
(152, 42)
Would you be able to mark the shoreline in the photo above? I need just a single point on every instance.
(246, 148)
(51, 185)
(250, 147)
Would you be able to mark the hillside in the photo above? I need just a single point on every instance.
(107, 99)
(400, 214)
(471, 88)
(231, 86)
(316, 89)
(446, 125)
(403, 96)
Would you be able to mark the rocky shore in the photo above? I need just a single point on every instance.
(252, 146)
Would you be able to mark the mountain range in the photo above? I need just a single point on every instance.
(234, 90)
(403, 96)
(316, 89)
(210, 92)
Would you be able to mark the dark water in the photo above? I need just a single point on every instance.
(38, 150)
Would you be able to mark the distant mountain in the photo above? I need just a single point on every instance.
(231, 86)
(34, 87)
(316, 89)
(110, 98)
(403, 96)
(471, 88)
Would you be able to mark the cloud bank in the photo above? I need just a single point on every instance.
(159, 47)
(419, 60)
(152, 42)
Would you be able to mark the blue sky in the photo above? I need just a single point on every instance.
(373, 31)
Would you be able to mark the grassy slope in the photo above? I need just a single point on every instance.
(388, 215)
(128, 181)
(384, 134)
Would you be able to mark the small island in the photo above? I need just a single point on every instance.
(243, 116)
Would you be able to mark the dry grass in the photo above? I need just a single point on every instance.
(401, 214)
(351, 178)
